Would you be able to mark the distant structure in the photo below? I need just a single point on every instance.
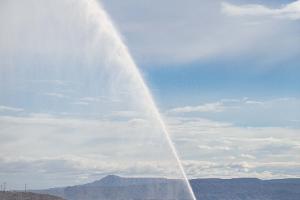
(3, 187)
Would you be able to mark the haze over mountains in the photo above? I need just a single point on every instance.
(119, 188)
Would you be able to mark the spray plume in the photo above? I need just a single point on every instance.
(75, 41)
(123, 51)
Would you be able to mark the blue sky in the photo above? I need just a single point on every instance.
(202, 51)
(224, 74)
(260, 59)
(213, 80)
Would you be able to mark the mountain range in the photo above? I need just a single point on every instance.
(120, 188)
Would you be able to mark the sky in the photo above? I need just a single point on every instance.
(224, 76)
(229, 66)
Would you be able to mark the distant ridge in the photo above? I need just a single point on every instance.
(113, 180)
(114, 187)
(246, 189)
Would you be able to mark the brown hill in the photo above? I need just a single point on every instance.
(26, 196)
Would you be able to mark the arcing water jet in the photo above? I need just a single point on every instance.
(124, 53)
(61, 63)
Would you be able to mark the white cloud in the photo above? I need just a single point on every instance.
(73, 169)
(244, 111)
(81, 103)
(231, 151)
(219, 106)
(288, 11)
(10, 109)
(76, 146)
(157, 35)
(55, 94)
(215, 169)
(254, 102)
(72, 148)
(248, 156)
(209, 107)
(125, 114)
(214, 148)
(50, 82)
(90, 99)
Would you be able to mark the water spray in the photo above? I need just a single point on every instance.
(97, 9)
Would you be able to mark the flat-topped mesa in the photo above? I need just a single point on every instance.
(114, 180)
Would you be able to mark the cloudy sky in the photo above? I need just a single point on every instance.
(224, 75)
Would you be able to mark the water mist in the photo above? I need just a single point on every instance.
(67, 70)
(123, 52)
